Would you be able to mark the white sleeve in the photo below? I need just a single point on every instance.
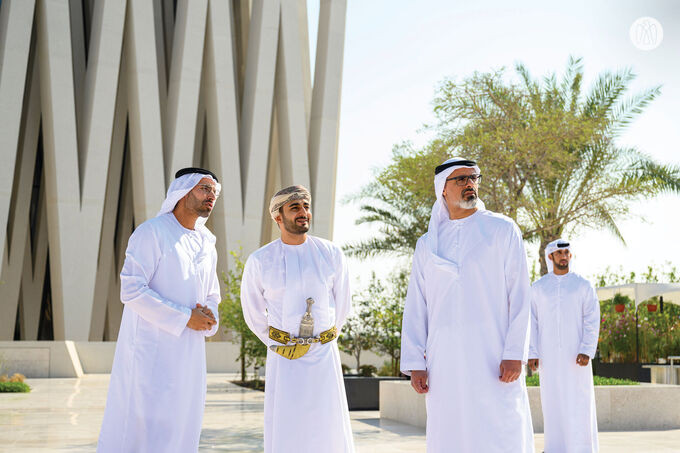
(213, 297)
(519, 299)
(141, 260)
(252, 300)
(414, 324)
(341, 292)
(591, 323)
(533, 343)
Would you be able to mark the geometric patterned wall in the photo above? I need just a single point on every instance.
(101, 101)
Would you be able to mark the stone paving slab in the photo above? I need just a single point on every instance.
(64, 416)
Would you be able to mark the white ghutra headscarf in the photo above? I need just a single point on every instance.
(557, 244)
(182, 186)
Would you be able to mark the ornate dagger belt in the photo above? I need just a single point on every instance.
(295, 347)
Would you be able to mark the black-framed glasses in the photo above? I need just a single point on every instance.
(463, 180)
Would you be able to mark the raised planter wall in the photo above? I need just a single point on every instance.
(632, 371)
(363, 393)
(619, 407)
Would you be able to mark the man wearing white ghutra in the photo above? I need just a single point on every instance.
(170, 290)
(465, 332)
(565, 329)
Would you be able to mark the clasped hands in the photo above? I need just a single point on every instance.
(202, 318)
(510, 370)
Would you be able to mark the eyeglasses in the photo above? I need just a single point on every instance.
(207, 189)
(463, 180)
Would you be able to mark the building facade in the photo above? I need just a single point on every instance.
(102, 101)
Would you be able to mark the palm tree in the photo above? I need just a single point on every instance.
(548, 152)
(596, 179)
(398, 201)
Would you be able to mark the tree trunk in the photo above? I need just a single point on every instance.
(395, 365)
(243, 358)
(541, 256)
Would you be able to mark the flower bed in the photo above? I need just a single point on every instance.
(658, 333)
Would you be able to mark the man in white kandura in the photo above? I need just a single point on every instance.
(170, 290)
(565, 329)
(465, 332)
(295, 297)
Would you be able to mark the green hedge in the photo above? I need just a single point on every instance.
(14, 387)
(533, 381)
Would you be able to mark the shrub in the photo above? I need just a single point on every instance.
(534, 381)
(14, 387)
(658, 333)
(17, 377)
(617, 331)
(367, 370)
(600, 380)
(386, 369)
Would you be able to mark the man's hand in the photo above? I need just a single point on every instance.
(206, 311)
(582, 359)
(419, 381)
(533, 364)
(510, 370)
(199, 320)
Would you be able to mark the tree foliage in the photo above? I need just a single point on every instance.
(251, 350)
(547, 149)
(379, 310)
(358, 333)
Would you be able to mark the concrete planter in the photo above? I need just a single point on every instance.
(619, 407)
(363, 393)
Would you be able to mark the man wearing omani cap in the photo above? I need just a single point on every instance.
(170, 290)
(295, 297)
(565, 329)
(465, 331)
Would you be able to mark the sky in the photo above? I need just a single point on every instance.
(397, 51)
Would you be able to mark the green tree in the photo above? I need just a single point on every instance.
(399, 201)
(358, 333)
(547, 150)
(251, 350)
(386, 301)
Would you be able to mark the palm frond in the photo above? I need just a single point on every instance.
(626, 111)
(608, 222)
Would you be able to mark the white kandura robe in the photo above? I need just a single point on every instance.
(305, 408)
(467, 309)
(566, 323)
(158, 382)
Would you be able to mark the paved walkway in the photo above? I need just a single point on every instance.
(64, 415)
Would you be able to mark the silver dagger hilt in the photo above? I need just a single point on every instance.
(307, 323)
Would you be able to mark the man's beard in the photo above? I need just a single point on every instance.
(199, 206)
(294, 228)
(469, 199)
(560, 266)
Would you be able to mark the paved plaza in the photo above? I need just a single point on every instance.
(64, 415)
